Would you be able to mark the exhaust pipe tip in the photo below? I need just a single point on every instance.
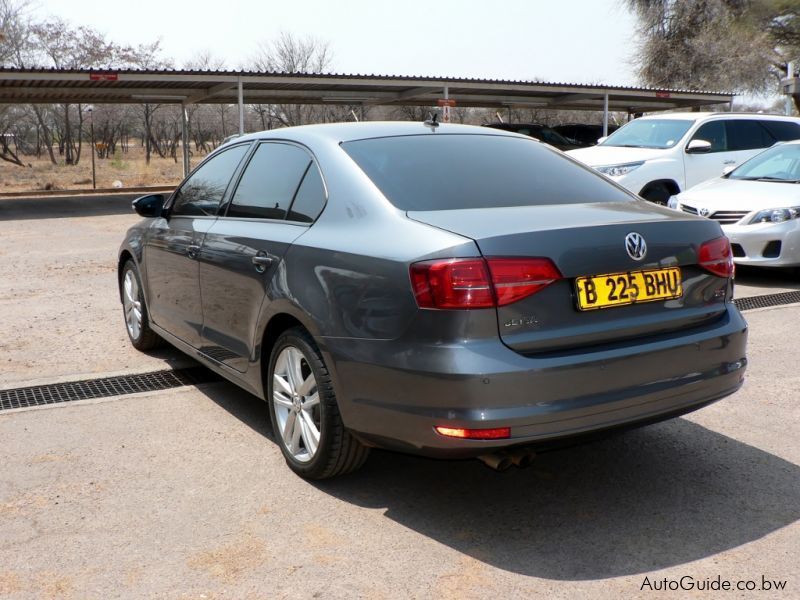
(499, 461)
(522, 457)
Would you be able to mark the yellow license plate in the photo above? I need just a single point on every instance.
(620, 289)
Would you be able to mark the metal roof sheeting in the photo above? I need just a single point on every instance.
(49, 85)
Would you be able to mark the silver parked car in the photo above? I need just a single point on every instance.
(445, 290)
(758, 206)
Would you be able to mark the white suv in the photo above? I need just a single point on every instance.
(659, 156)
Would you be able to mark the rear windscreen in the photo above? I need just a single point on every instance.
(453, 171)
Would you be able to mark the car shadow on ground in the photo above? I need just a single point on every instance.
(649, 499)
(755, 277)
(15, 209)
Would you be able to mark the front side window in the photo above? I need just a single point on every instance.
(649, 133)
(202, 192)
(715, 134)
(269, 182)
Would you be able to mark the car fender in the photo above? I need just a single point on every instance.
(658, 169)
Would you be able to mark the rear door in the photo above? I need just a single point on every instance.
(172, 246)
(746, 138)
(279, 194)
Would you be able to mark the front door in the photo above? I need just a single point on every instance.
(173, 245)
(708, 165)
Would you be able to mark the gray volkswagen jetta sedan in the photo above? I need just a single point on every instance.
(444, 290)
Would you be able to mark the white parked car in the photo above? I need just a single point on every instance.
(758, 206)
(661, 155)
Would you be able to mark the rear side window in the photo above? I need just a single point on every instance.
(782, 131)
(202, 192)
(310, 198)
(269, 182)
(445, 172)
(747, 135)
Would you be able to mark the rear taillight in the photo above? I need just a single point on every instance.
(716, 256)
(517, 278)
(453, 283)
(479, 283)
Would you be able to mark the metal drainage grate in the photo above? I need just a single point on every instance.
(766, 301)
(55, 393)
(40, 395)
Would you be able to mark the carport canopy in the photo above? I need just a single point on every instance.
(61, 86)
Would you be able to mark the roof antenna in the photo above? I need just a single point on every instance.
(499, 118)
(431, 121)
(355, 116)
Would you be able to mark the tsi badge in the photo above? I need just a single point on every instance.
(635, 245)
(522, 322)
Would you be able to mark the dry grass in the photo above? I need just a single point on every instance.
(129, 168)
(230, 561)
(10, 583)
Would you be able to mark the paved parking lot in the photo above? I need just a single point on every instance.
(183, 494)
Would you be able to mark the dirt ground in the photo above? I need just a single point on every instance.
(129, 168)
(60, 316)
(184, 494)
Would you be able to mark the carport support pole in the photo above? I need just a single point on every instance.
(185, 138)
(241, 106)
(605, 115)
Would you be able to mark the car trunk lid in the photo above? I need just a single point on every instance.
(589, 240)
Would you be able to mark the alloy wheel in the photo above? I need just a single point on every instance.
(295, 399)
(132, 305)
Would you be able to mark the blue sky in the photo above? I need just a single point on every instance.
(580, 41)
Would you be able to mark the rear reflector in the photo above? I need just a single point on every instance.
(716, 257)
(479, 283)
(497, 433)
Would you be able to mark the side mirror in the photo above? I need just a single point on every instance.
(600, 140)
(698, 147)
(728, 170)
(149, 206)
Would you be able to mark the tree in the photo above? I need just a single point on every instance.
(27, 42)
(146, 57)
(59, 44)
(739, 45)
(290, 54)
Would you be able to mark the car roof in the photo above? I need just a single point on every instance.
(512, 125)
(716, 115)
(345, 132)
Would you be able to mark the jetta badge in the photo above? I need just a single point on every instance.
(635, 245)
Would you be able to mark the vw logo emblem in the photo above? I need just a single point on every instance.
(704, 212)
(635, 245)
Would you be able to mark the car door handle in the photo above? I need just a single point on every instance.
(192, 251)
(261, 262)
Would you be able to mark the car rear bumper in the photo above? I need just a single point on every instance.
(394, 395)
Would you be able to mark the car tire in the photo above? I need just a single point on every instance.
(304, 412)
(134, 310)
(657, 193)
